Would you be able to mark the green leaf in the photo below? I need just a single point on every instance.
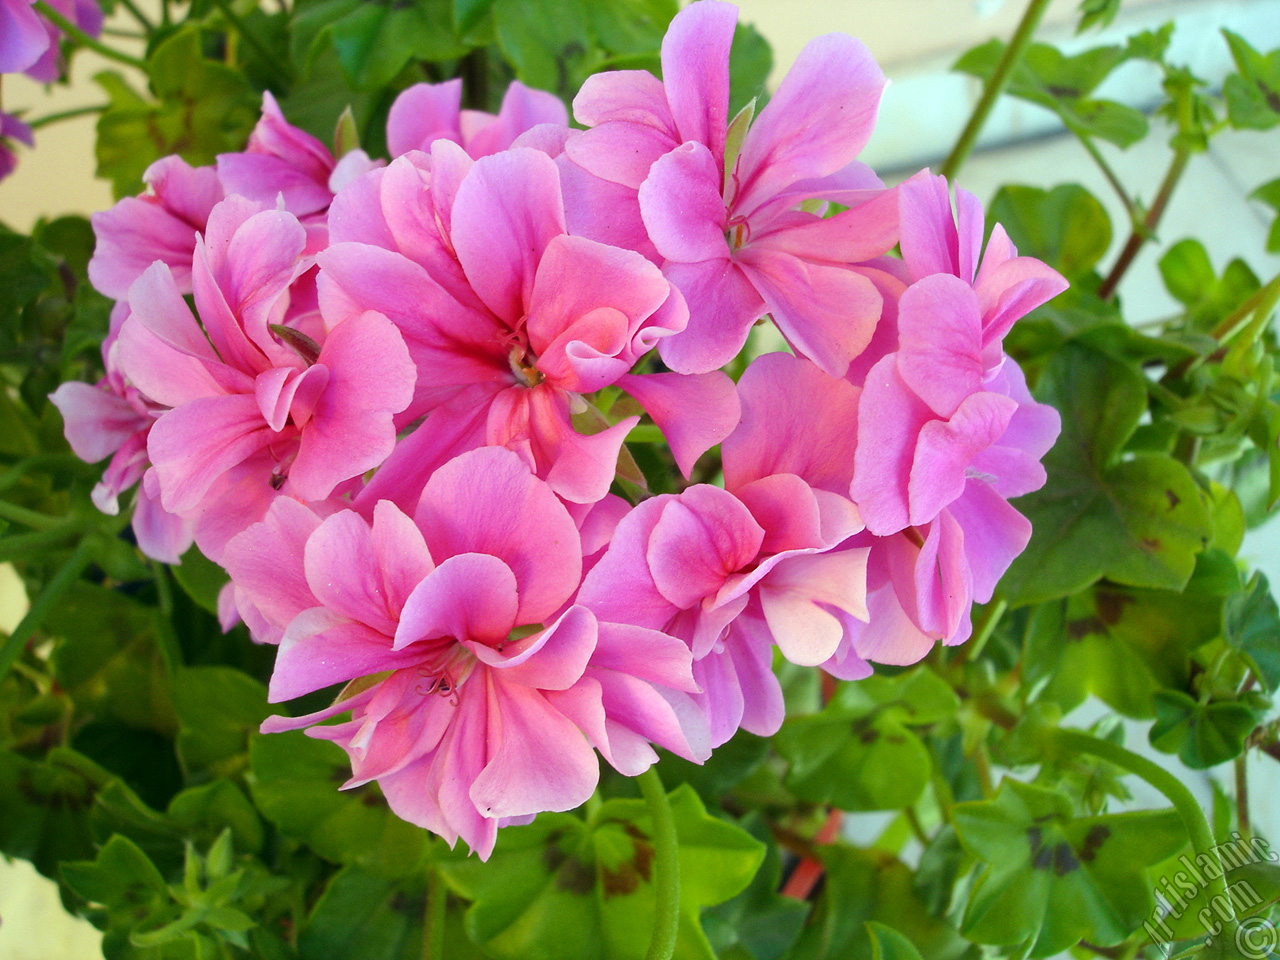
(1096, 13)
(1139, 521)
(122, 879)
(1189, 276)
(201, 578)
(859, 753)
(362, 916)
(1066, 227)
(295, 785)
(562, 888)
(1253, 94)
(375, 40)
(1204, 734)
(468, 13)
(889, 944)
(1251, 626)
(547, 41)
(206, 811)
(864, 886)
(1052, 879)
(1269, 193)
(750, 63)
(219, 707)
(201, 108)
(45, 807)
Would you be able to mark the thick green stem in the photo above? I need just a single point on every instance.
(24, 544)
(433, 929)
(1173, 788)
(83, 39)
(995, 86)
(138, 15)
(29, 518)
(53, 591)
(666, 918)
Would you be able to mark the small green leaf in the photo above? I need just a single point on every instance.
(1253, 94)
(547, 41)
(1097, 13)
(1066, 227)
(468, 13)
(1269, 193)
(218, 707)
(1251, 625)
(889, 944)
(1204, 734)
(362, 916)
(121, 878)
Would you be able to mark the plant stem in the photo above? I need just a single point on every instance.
(53, 591)
(83, 39)
(1173, 788)
(433, 925)
(1242, 795)
(138, 15)
(666, 918)
(1143, 232)
(989, 623)
(995, 86)
(29, 518)
(1093, 151)
(809, 870)
(252, 39)
(16, 547)
(61, 115)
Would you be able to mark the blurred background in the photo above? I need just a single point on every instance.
(916, 42)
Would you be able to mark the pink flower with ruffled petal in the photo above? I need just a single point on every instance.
(11, 129)
(729, 227)
(19, 37)
(510, 319)
(487, 687)
(257, 405)
(23, 37)
(427, 112)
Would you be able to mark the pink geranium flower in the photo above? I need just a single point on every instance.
(427, 112)
(509, 318)
(487, 688)
(23, 37)
(728, 226)
(19, 37)
(258, 406)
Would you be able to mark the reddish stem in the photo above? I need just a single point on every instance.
(808, 872)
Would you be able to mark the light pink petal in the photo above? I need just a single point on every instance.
(629, 96)
(994, 534)
(1011, 291)
(890, 418)
(619, 587)
(95, 421)
(321, 648)
(156, 303)
(890, 636)
(940, 342)
(702, 537)
(263, 178)
(943, 582)
(508, 208)
(167, 376)
(552, 659)
(798, 598)
(816, 123)
(827, 313)
(130, 237)
(193, 445)
(723, 304)
(695, 71)
(23, 38)
(861, 233)
(603, 210)
(945, 450)
(523, 108)
(266, 562)
(795, 419)
(487, 501)
(681, 205)
(343, 572)
(161, 535)
(422, 114)
(469, 596)
(371, 378)
(540, 761)
(693, 411)
(620, 151)
(797, 517)
(930, 241)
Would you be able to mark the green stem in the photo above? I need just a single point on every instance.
(83, 39)
(53, 591)
(61, 115)
(995, 86)
(1242, 795)
(1173, 788)
(138, 15)
(252, 39)
(1116, 185)
(1144, 231)
(666, 920)
(433, 925)
(15, 473)
(29, 518)
(24, 544)
(989, 623)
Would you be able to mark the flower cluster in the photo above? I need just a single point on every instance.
(30, 44)
(396, 414)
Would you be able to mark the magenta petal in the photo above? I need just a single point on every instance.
(167, 376)
(470, 596)
(344, 574)
(795, 419)
(23, 37)
(943, 583)
(507, 210)
(1012, 290)
(693, 411)
(702, 537)
(487, 501)
(322, 648)
(695, 72)
(154, 300)
(421, 114)
(945, 450)
(890, 418)
(723, 304)
(523, 108)
(540, 759)
(619, 587)
(193, 445)
(816, 123)
(852, 236)
(682, 207)
(940, 342)
(828, 313)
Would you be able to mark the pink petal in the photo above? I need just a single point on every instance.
(620, 588)
(861, 233)
(422, 114)
(695, 71)
(940, 342)
(266, 563)
(552, 659)
(487, 501)
(947, 448)
(702, 537)
(795, 597)
(681, 205)
(628, 96)
(95, 420)
(522, 109)
(23, 38)
(161, 535)
(621, 151)
(827, 313)
(540, 761)
(322, 648)
(507, 210)
(693, 411)
(890, 418)
(994, 534)
(723, 304)
(469, 596)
